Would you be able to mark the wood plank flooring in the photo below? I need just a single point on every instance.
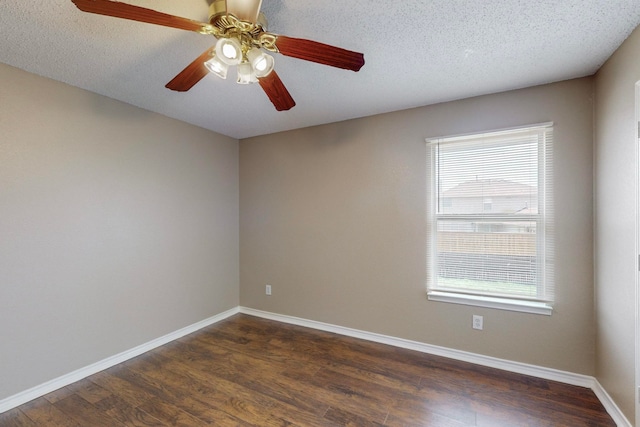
(247, 371)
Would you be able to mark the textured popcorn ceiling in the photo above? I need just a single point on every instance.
(417, 52)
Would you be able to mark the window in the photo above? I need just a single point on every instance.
(489, 232)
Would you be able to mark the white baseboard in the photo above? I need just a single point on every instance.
(610, 405)
(57, 383)
(521, 368)
(492, 362)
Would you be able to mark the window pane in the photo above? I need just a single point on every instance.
(497, 176)
(485, 256)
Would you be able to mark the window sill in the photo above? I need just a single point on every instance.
(492, 302)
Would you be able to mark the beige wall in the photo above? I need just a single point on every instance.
(117, 226)
(615, 254)
(333, 217)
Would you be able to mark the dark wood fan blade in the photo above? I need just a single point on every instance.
(277, 92)
(137, 13)
(320, 53)
(191, 75)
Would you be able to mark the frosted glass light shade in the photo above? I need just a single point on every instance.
(217, 67)
(261, 62)
(245, 73)
(229, 51)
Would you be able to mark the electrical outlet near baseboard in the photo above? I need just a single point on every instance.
(478, 322)
(267, 289)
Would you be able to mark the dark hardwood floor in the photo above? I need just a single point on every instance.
(247, 371)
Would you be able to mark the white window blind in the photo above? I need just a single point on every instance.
(490, 216)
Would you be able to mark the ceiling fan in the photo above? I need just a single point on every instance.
(242, 39)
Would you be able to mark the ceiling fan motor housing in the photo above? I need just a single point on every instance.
(244, 10)
(217, 10)
(250, 31)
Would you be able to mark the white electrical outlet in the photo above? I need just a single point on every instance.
(478, 322)
(268, 290)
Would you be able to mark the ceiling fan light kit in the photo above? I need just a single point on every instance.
(241, 30)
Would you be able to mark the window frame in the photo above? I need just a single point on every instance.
(543, 303)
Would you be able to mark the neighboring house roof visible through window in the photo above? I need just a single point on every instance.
(490, 188)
